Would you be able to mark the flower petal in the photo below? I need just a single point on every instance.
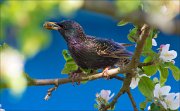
(154, 43)
(174, 101)
(134, 83)
(105, 94)
(174, 53)
(156, 90)
(165, 90)
(111, 96)
(165, 48)
(163, 104)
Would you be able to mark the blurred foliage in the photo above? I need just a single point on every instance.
(11, 73)
(127, 6)
(21, 22)
(68, 7)
(22, 28)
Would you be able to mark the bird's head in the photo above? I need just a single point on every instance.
(68, 28)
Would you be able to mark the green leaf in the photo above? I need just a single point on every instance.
(86, 71)
(149, 70)
(175, 71)
(143, 105)
(70, 65)
(95, 106)
(163, 74)
(84, 82)
(146, 86)
(4, 46)
(154, 107)
(132, 36)
(127, 6)
(148, 44)
(149, 53)
(122, 23)
(66, 55)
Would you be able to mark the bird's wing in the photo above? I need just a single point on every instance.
(109, 48)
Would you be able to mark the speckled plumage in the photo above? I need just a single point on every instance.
(88, 51)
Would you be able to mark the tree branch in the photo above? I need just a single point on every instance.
(132, 100)
(146, 64)
(60, 81)
(140, 44)
(134, 63)
(117, 77)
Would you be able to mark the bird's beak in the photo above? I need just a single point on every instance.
(51, 26)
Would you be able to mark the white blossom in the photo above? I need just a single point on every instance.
(154, 43)
(161, 91)
(166, 55)
(168, 100)
(11, 70)
(135, 80)
(171, 101)
(105, 94)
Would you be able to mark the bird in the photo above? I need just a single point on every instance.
(90, 52)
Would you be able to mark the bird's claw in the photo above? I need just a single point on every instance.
(75, 75)
(105, 73)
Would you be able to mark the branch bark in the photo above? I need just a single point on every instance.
(132, 100)
(60, 81)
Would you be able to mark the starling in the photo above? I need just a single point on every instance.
(88, 51)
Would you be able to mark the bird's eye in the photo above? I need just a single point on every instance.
(63, 27)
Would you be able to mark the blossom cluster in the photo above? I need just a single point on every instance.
(165, 54)
(166, 99)
(103, 98)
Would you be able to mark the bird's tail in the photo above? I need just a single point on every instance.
(123, 62)
(122, 54)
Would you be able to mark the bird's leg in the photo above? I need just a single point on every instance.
(105, 73)
(76, 74)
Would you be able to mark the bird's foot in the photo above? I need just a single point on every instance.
(75, 75)
(105, 73)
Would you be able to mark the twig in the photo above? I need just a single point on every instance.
(146, 64)
(114, 101)
(132, 100)
(117, 77)
(49, 92)
(140, 44)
